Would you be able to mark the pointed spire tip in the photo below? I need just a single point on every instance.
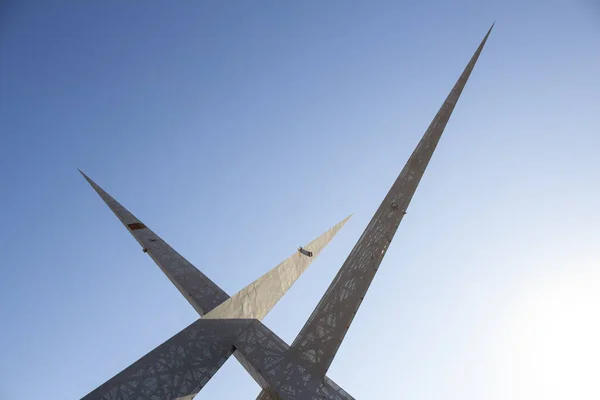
(87, 178)
(490, 30)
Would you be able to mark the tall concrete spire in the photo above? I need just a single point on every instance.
(324, 331)
(259, 297)
(201, 292)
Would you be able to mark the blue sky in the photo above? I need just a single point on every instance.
(239, 130)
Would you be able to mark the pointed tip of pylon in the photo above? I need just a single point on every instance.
(491, 27)
(343, 222)
(87, 178)
(485, 38)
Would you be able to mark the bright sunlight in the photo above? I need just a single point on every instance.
(555, 343)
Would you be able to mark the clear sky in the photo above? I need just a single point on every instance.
(239, 130)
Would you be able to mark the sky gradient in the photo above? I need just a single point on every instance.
(238, 131)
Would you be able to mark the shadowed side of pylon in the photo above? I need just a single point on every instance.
(179, 367)
(201, 292)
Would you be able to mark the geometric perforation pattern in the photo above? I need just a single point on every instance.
(179, 367)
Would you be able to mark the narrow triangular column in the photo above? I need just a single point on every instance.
(201, 292)
(259, 297)
(323, 333)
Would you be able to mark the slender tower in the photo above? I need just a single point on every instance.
(319, 340)
(324, 331)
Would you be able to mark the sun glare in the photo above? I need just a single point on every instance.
(555, 349)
